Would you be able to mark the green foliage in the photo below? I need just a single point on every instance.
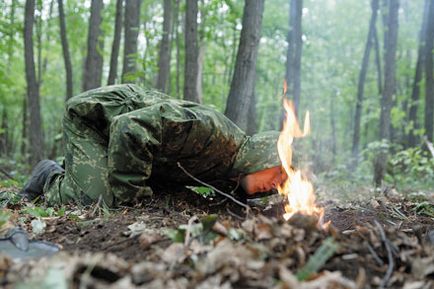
(40, 212)
(200, 230)
(411, 168)
(318, 259)
(4, 218)
(203, 191)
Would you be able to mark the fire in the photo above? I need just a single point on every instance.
(297, 189)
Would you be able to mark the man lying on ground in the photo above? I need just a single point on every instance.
(118, 138)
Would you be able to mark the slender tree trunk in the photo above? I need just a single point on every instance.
(200, 62)
(24, 130)
(165, 49)
(391, 37)
(293, 56)
(132, 26)
(233, 55)
(4, 134)
(191, 52)
(178, 52)
(243, 81)
(414, 100)
(65, 48)
(252, 123)
(35, 129)
(95, 46)
(38, 32)
(116, 44)
(429, 80)
(378, 62)
(11, 35)
(361, 84)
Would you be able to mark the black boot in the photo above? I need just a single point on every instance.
(34, 186)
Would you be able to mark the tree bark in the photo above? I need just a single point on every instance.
(178, 52)
(243, 80)
(361, 83)
(252, 123)
(65, 48)
(415, 92)
(293, 56)
(4, 134)
(429, 81)
(132, 27)
(391, 37)
(95, 46)
(11, 35)
(191, 52)
(165, 49)
(35, 128)
(116, 44)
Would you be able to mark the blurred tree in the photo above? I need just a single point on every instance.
(429, 81)
(390, 43)
(414, 99)
(92, 72)
(116, 44)
(191, 52)
(165, 49)
(35, 126)
(65, 49)
(244, 78)
(132, 27)
(361, 83)
(293, 56)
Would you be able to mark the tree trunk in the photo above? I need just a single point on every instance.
(200, 62)
(178, 52)
(414, 102)
(38, 32)
(95, 46)
(293, 56)
(391, 37)
(4, 134)
(165, 49)
(35, 129)
(252, 123)
(11, 46)
(361, 84)
(65, 48)
(429, 85)
(191, 53)
(132, 27)
(244, 78)
(24, 130)
(116, 44)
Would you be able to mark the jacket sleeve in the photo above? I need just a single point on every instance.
(133, 139)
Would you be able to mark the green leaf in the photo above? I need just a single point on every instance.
(203, 191)
(318, 259)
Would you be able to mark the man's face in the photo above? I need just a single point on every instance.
(262, 181)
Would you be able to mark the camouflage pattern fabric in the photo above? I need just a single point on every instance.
(118, 137)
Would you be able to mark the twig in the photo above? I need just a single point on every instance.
(234, 215)
(7, 174)
(376, 258)
(391, 265)
(188, 232)
(215, 189)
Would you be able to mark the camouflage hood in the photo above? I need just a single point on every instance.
(257, 153)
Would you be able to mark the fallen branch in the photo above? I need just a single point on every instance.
(215, 189)
(391, 264)
(7, 174)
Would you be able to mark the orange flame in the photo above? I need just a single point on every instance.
(297, 189)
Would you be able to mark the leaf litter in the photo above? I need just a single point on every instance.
(184, 243)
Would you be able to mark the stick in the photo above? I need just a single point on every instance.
(376, 258)
(215, 189)
(188, 232)
(391, 265)
(7, 174)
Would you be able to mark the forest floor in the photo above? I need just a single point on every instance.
(183, 240)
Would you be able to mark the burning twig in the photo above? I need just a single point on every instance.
(391, 265)
(215, 189)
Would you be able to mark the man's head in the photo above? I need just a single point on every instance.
(262, 181)
(258, 163)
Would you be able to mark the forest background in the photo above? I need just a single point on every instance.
(364, 70)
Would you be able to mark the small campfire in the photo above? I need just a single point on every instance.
(298, 192)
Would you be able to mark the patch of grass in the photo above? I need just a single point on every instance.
(40, 212)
